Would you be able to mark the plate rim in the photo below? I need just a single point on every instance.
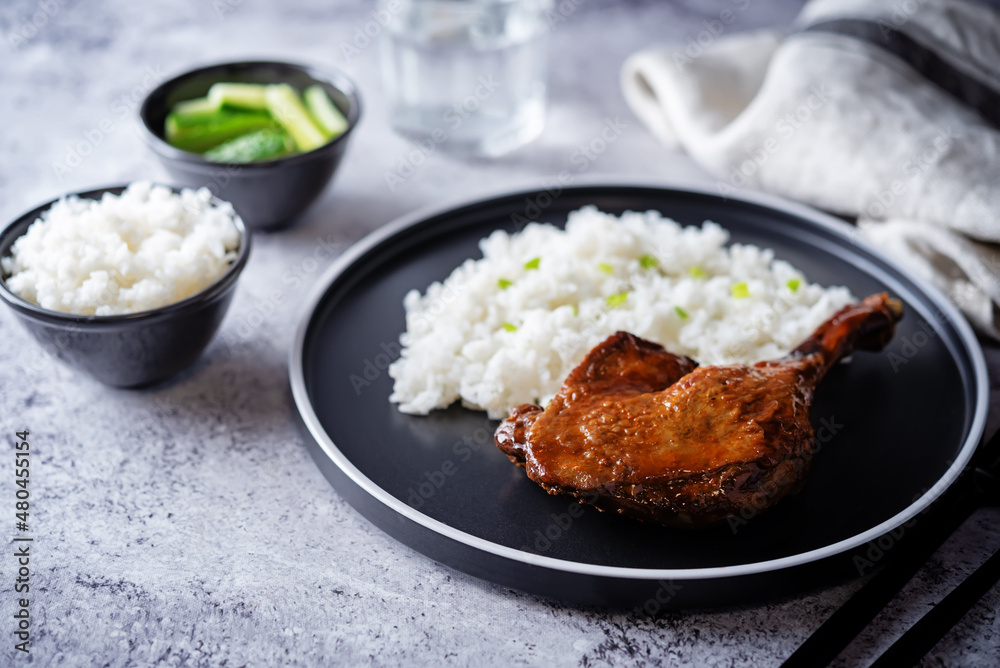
(829, 222)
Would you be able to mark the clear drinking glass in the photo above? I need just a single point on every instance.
(467, 75)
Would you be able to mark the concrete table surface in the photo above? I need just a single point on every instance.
(186, 524)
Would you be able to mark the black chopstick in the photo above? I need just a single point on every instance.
(927, 632)
(910, 553)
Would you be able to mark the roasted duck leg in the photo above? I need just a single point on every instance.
(638, 430)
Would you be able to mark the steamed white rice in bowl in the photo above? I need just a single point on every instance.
(147, 248)
(508, 328)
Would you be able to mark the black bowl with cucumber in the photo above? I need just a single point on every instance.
(266, 136)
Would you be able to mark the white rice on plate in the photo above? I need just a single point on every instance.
(507, 329)
(146, 248)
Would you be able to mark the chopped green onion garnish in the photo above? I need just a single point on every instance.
(741, 291)
(681, 312)
(697, 272)
(606, 268)
(504, 283)
(576, 311)
(648, 262)
(617, 299)
(509, 327)
(533, 263)
(793, 284)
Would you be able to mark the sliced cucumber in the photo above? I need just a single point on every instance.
(192, 111)
(213, 130)
(324, 111)
(239, 95)
(253, 147)
(284, 104)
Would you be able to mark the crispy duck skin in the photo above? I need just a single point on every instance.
(649, 434)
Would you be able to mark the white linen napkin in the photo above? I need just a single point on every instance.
(884, 110)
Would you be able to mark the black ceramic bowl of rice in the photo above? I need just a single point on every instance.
(123, 349)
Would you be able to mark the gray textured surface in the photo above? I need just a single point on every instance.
(186, 524)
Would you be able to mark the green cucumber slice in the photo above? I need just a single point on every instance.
(284, 104)
(327, 116)
(240, 95)
(253, 147)
(192, 111)
(213, 130)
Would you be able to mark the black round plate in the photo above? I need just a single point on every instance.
(893, 428)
